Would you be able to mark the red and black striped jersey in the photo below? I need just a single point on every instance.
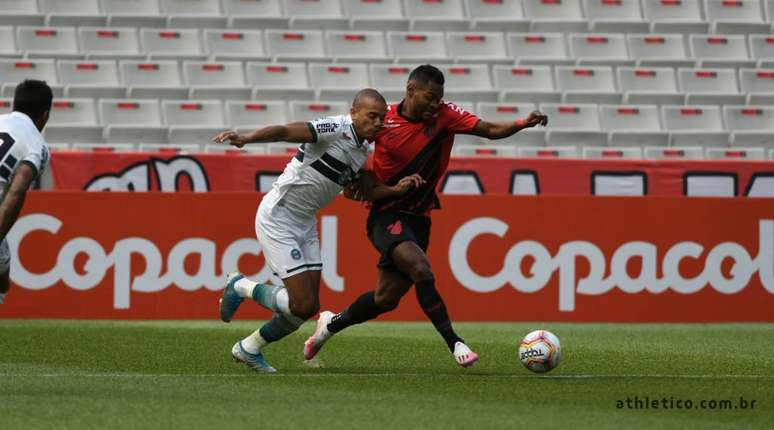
(405, 147)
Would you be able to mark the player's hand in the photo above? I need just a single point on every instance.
(536, 118)
(354, 191)
(409, 182)
(233, 138)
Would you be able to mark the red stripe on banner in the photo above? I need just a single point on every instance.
(416, 37)
(507, 109)
(706, 75)
(583, 72)
(127, 105)
(612, 153)
(521, 72)
(459, 70)
(628, 111)
(232, 36)
(569, 109)
(752, 112)
(63, 105)
(318, 108)
(86, 66)
(547, 153)
(293, 36)
(255, 107)
(169, 35)
(534, 39)
(148, 67)
(45, 33)
(191, 106)
(24, 65)
(645, 73)
(690, 111)
(107, 34)
(594, 40)
(654, 40)
(212, 67)
(398, 70)
(338, 69)
(475, 38)
(354, 37)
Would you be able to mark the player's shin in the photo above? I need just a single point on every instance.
(433, 306)
(361, 310)
(272, 297)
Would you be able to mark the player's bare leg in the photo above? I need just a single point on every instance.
(5, 285)
(412, 261)
(292, 304)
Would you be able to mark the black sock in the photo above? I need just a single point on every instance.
(361, 310)
(432, 303)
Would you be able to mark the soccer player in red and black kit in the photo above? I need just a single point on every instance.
(417, 138)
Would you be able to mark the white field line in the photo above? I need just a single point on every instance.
(375, 375)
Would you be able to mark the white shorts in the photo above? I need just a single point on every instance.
(289, 247)
(5, 257)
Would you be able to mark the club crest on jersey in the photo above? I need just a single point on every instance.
(295, 254)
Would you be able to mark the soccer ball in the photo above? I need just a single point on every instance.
(540, 351)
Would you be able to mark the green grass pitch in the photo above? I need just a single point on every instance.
(170, 375)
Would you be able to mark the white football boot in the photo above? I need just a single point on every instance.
(463, 355)
(321, 335)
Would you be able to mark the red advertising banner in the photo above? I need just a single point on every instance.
(164, 256)
(238, 172)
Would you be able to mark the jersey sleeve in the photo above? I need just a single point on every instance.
(36, 157)
(325, 130)
(459, 120)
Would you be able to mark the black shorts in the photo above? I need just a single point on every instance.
(388, 229)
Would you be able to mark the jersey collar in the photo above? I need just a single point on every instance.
(400, 113)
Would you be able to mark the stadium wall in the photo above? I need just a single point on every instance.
(500, 258)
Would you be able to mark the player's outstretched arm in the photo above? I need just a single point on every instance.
(13, 200)
(296, 132)
(367, 188)
(501, 130)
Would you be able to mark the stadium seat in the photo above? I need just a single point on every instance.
(366, 46)
(216, 80)
(735, 154)
(617, 153)
(547, 152)
(533, 84)
(289, 45)
(194, 14)
(674, 153)
(417, 46)
(632, 126)
(716, 86)
(736, 16)
(656, 85)
(14, 71)
(308, 110)
(758, 84)
(242, 45)
(249, 115)
(507, 112)
(133, 13)
(338, 82)
(72, 13)
(172, 43)
(6, 105)
(503, 15)
(694, 126)
(555, 16)
(762, 49)
(279, 81)
(222, 149)
(750, 126)
(477, 48)
(376, 15)
(152, 79)
(720, 51)
(8, 47)
(132, 121)
(21, 12)
(390, 80)
(615, 16)
(96, 147)
(461, 150)
(468, 83)
(573, 124)
(587, 84)
(659, 50)
(541, 49)
(95, 79)
(436, 15)
(252, 15)
(73, 121)
(316, 15)
(171, 148)
(675, 16)
(193, 121)
(600, 49)
(48, 42)
(110, 43)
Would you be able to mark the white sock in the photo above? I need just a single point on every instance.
(2, 297)
(244, 287)
(283, 301)
(254, 342)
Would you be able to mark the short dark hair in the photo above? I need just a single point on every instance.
(33, 98)
(425, 74)
(368, 93)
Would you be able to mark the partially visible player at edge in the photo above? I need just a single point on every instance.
(23, 158)
(417, 139)
(334, 149)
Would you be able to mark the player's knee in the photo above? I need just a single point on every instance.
(386, 301)
(420, 271)
(305, 309)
